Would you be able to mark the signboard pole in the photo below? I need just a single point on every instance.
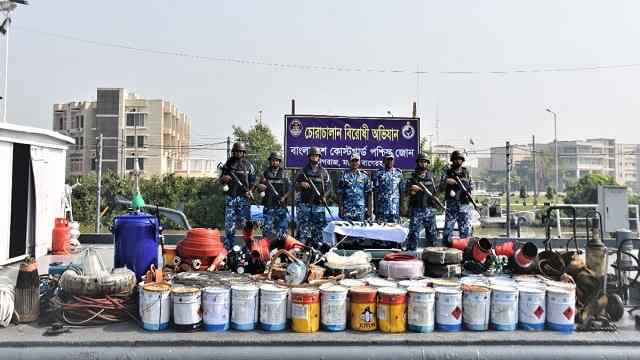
(293, 179)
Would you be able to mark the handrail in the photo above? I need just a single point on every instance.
(559, 218)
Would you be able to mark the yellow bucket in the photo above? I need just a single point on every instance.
(363, 309)
(392, 310)
(305, 310)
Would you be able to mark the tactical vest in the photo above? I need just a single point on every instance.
(241, 168)
(279, 182)
(318, 177)
(463, 174)
(420, 199)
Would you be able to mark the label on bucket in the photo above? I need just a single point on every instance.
(273, 312)
(504, 308)
(561, 309)
(476, 308)
(155, 310)
(449, 308)
(532, 308)
(299, 311)
(334, 311)
(383, 311)
(243, 310)
(216, 313)
(420, 313)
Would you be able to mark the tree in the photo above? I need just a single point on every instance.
(550, 193)
(260, 142)
(585, 191)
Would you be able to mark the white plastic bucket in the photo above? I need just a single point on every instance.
(504, 308)
(476, 302)
(532, 308)
(155, 306)
(448, 309)
(216, 306)
(420, 309)
(187, 302)
(244, 302)
(273, 307)
(561, 309)
(333, 308)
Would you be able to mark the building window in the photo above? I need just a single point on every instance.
(61, 123)
(76, 165)
(93, 164)
(140, 141)
(131, 141)
(130, 161)
(135, 119)
(79, 142)
(82, 121)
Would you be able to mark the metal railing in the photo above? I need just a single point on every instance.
(635, 219)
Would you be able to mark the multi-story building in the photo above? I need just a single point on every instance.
(153, 131)
(628, 165)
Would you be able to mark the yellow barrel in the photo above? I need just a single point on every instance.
(305, 310)
(392, 310)
(363, 308)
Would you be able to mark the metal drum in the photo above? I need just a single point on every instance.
(216, 306)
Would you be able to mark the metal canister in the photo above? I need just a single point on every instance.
(448, 308)
(392, 310)
(155, 306)
(476, 302)
(561, 309)
(305, 310)
(333, 308)
(532, 308)
(273, 307)
(187, 302)
(216, 307)
(504, 308)
(420, 310)
(363, 308)
(244, 302)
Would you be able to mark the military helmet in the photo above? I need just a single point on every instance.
(314, 150)
(275, 155)
(239, 146)
(422, 156)
(456, 155)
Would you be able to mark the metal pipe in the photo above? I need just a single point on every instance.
(555, 126)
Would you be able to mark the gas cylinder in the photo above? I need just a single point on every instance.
(61, 237)
(136, 238)
(596, 254)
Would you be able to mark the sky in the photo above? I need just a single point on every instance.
(443, 39)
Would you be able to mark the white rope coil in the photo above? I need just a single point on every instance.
(407, 269)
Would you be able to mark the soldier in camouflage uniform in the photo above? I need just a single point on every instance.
(239, 193)
(423, 207)
(311, 205)
(275, 222)
(458, 207)
(354, 187)
(387, 183)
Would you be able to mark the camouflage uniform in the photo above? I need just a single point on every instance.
(238, 207)
(274, 213)
(387, 184)
(311, 216)
(423, 211)
(354, 187)
(458, 207)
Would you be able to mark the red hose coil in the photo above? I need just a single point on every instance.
(200, 243)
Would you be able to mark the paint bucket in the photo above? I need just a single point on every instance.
(380, 283)
(561, 309)
(187, 313)
(405, 284)
(216, 305)
(392, 310)
(504, 308)
(273, 307)
(350, 283)
(420, 308)
(448, 309)
(305, 310)
(474, 280)
(446, 283)
(476, 302)
(155, 306)
(244, 300)
(532, 308)
(333, 308)
(363, 308)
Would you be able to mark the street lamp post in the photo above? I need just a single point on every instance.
(7, 6)
(555, 126)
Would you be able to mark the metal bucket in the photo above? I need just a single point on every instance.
(445, 283)
(305, 310)
(187, 314)
(363, 308)
(561, 309)
(532, 308)
(244, 302)
(273, 307)
(405, 284)
(380, 283)
(392, 310)
(333, 308)
(448, 309)
(420, 309)
(216, 305)
(476, 302)
(504, 308)
(155, 306)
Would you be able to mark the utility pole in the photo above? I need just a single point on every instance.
(508, 168)
(122, 152)
(535, 172)
(228, 147)
(98, 194)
